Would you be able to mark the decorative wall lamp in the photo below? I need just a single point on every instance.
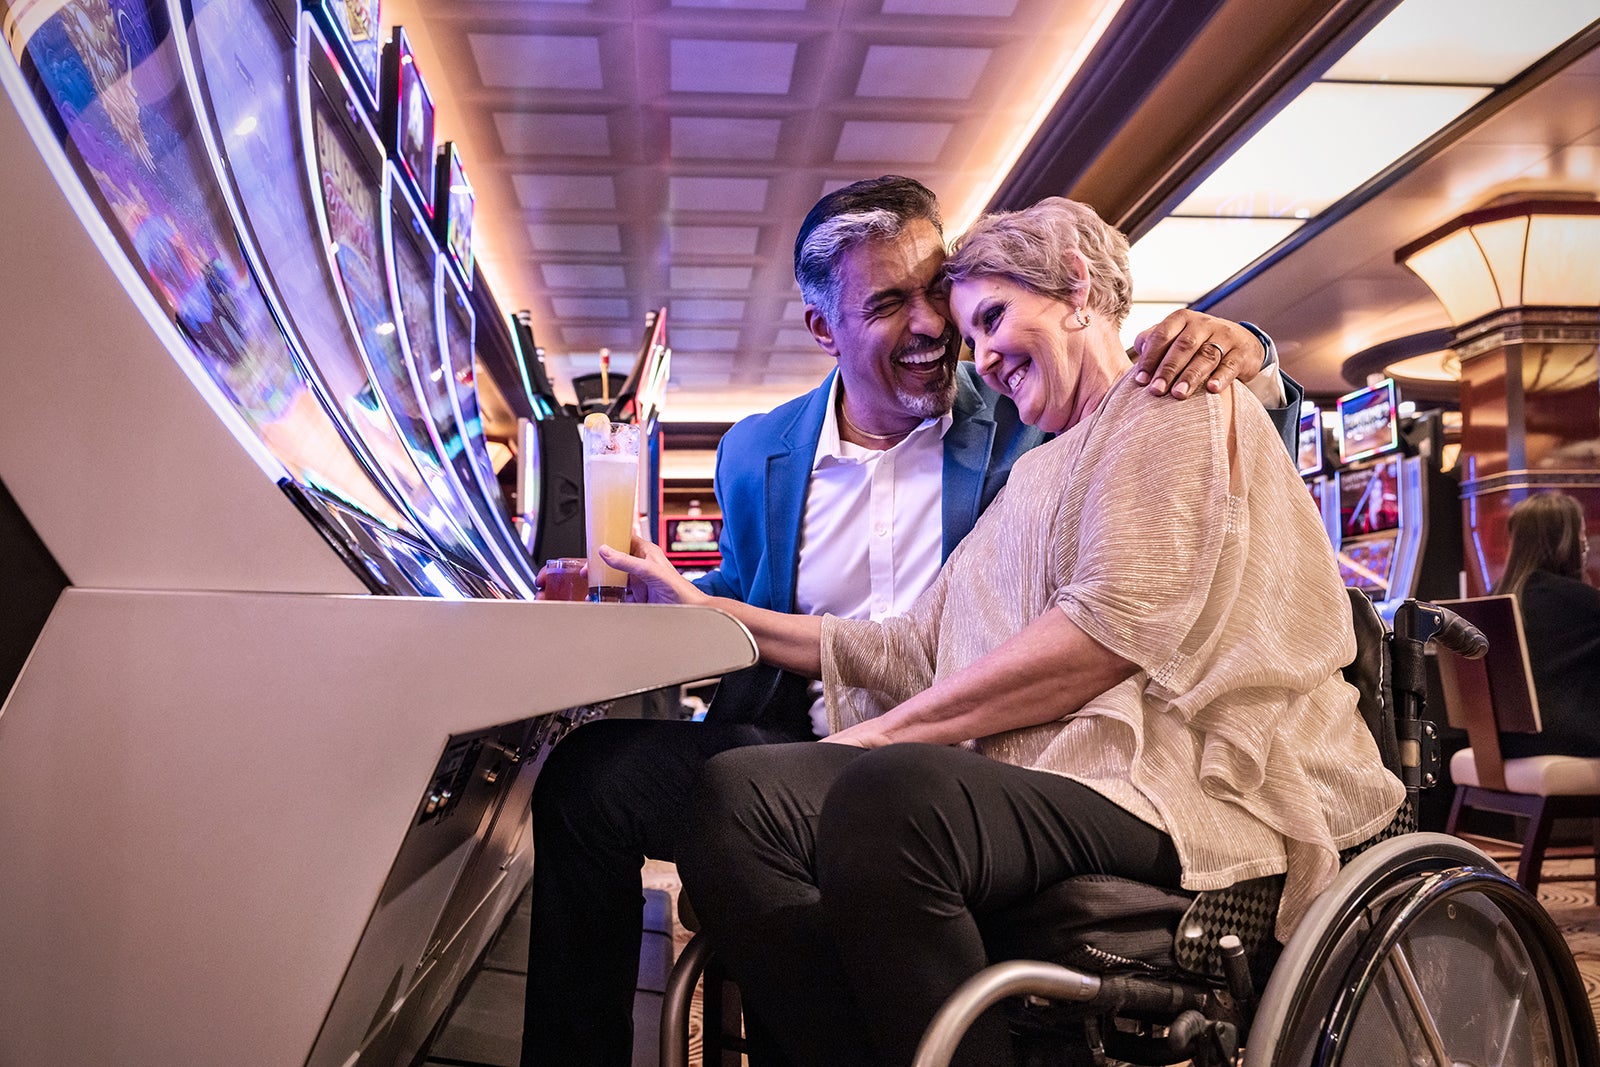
(1520, 281)
(1522, 253)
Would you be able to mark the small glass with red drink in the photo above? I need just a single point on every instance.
(564, 579)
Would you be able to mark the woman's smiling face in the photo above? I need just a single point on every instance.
(1025, 345)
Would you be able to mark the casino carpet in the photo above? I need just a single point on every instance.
(1571, 903)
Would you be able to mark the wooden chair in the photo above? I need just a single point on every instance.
(1495, 695)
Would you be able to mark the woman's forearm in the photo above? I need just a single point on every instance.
(1047, 671)
(793, 642)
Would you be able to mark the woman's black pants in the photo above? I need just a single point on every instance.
(844, 887)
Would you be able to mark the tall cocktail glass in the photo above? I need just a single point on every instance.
(610, 493)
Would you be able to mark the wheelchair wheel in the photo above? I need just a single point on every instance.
(1423, 953)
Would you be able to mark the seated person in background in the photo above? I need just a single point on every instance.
(902, 439)
(1104, 678)
(1561, 624)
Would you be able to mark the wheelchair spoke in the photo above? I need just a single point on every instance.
(1419, 1007)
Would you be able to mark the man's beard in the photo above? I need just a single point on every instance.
(937, 397)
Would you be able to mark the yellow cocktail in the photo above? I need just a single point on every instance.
(610, 495)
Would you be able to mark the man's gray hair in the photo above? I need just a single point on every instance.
(875, 209)
(819, 284)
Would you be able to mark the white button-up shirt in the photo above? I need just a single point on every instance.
(873, 530)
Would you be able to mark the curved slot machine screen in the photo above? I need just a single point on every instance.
(414, 264)
(416, 269)
(1369, 498)
(1368, 422)
(351, 184)
(108, 72)
(459, 322)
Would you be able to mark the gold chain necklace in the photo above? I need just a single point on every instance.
(874, 436)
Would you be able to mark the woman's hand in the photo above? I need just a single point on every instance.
(862, 735)
(652, 579)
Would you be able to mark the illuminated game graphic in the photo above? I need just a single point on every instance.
(355, 24)
(1309, 451)
(693, 534)
(1369, 498)
(1368, 564)
(1368, 422)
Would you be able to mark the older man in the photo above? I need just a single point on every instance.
(842, 501)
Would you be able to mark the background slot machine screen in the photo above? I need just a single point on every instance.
(454, 203)
(354, 26)
(408, 119)
(693, 533)
(1368, 422)
(1319, 488)
(1309, 453)
(1369, 498)
(1368, 564)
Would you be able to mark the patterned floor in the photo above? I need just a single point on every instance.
(1572, 905)
(1567, 893)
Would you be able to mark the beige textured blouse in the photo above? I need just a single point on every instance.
(1238, 736)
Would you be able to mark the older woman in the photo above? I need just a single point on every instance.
(1105, 678)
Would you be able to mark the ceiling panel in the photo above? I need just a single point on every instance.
(724, 137)
(1342, 292)
(922, 72)
(731, 66)
(553, 133)
(601, 237)
(537, 61)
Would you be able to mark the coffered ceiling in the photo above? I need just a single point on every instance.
(629, 154)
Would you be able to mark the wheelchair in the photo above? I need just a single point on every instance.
(1420, 953)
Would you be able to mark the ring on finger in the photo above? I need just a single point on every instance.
(1213, 344)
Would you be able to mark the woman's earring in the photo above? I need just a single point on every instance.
(1083, 319)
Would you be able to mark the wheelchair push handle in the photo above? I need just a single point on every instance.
(1422, 622)
(1416, 625)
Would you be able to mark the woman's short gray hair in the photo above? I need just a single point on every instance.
(1036, 247)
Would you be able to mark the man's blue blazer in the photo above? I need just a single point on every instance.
(764, 469)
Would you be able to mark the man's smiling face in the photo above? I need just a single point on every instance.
(894, 341)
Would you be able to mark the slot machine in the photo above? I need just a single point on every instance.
(254, 807)
(1311, 461)
(1397, 533)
